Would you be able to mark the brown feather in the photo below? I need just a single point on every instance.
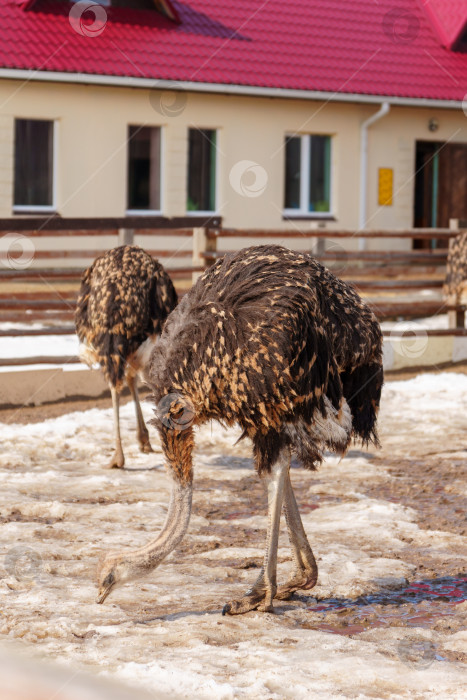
(125, 297)
(271, 340)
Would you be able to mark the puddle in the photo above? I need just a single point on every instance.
(421, 604)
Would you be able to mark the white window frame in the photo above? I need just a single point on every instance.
(43, 208)
(214, 212)
(150, 212)
(304, 210)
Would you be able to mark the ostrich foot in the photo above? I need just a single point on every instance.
(300, 581)
(117, 461)
(144, 444)
(254, 600)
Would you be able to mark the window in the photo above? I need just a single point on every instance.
(144, 169)
(307, 175)
(202, 170)
(34, 165)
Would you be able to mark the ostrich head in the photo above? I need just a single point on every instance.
(113, 571)
(174, 412)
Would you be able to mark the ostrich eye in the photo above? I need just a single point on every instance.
(109, 579)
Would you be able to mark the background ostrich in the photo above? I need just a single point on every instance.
(271, 340)
(124, 300)
(455, 287)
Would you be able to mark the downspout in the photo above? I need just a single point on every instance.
(383, 110)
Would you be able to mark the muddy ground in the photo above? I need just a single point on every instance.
(387, 619)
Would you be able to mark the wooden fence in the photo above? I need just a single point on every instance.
(40, 281)
(44, 288)
(397, 274)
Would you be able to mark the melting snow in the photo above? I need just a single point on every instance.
(61, 511)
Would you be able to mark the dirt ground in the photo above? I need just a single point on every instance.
(387, 619)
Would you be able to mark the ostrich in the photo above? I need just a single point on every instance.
(455, 287)
(271, 340)
(124, 300)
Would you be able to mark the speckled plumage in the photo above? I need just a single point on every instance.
(455, 287)
(124, 300)
(269, 339)
(125, 297)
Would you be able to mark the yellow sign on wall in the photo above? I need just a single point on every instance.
(385, 186)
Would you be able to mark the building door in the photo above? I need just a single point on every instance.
(440, 186)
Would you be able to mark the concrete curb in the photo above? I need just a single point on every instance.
(27, 385)
(420, 350)
(35, 385)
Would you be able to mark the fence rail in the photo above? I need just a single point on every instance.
(44, 225)
(39, 360)
(47, 294)
(392, 272)
(45, 291)
(414, 234)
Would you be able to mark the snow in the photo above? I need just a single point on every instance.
(68, 367)
(25, 325)
(430, 402)
(62, 345)
(438, 322)
(38, 345)
(165, 633)
(33, 346)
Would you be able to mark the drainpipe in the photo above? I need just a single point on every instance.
(383, 110)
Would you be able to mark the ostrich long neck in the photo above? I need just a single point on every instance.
(178, 449)
(150, 555)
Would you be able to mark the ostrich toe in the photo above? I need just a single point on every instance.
(117, 461)
(300, 581)
(144, 444)
(146, 448)
(255, 601)
(259, 597)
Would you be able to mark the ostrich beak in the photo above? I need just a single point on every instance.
(105, 588)
(103, 593)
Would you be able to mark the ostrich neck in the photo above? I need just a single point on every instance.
(178, 448)
(149, 556)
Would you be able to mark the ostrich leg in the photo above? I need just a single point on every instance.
(261, 594)
(305, 573)
(142, 431)
(118, 460)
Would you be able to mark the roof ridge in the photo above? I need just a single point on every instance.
(449, 18)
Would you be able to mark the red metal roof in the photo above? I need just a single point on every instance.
(449, 18)
(344, 46)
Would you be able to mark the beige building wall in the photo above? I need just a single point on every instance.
(392, 144)
(92, 124)
(6, 163)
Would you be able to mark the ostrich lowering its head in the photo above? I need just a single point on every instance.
(272, 341)
(124, 300)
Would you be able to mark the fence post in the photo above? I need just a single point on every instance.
(126, 236)
(202, 244)
(456, 319)
(199, 246)
(320, 247)
(211, 246)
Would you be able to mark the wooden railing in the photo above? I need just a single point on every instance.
(370, 271)
(45, 290)
(40, 281)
